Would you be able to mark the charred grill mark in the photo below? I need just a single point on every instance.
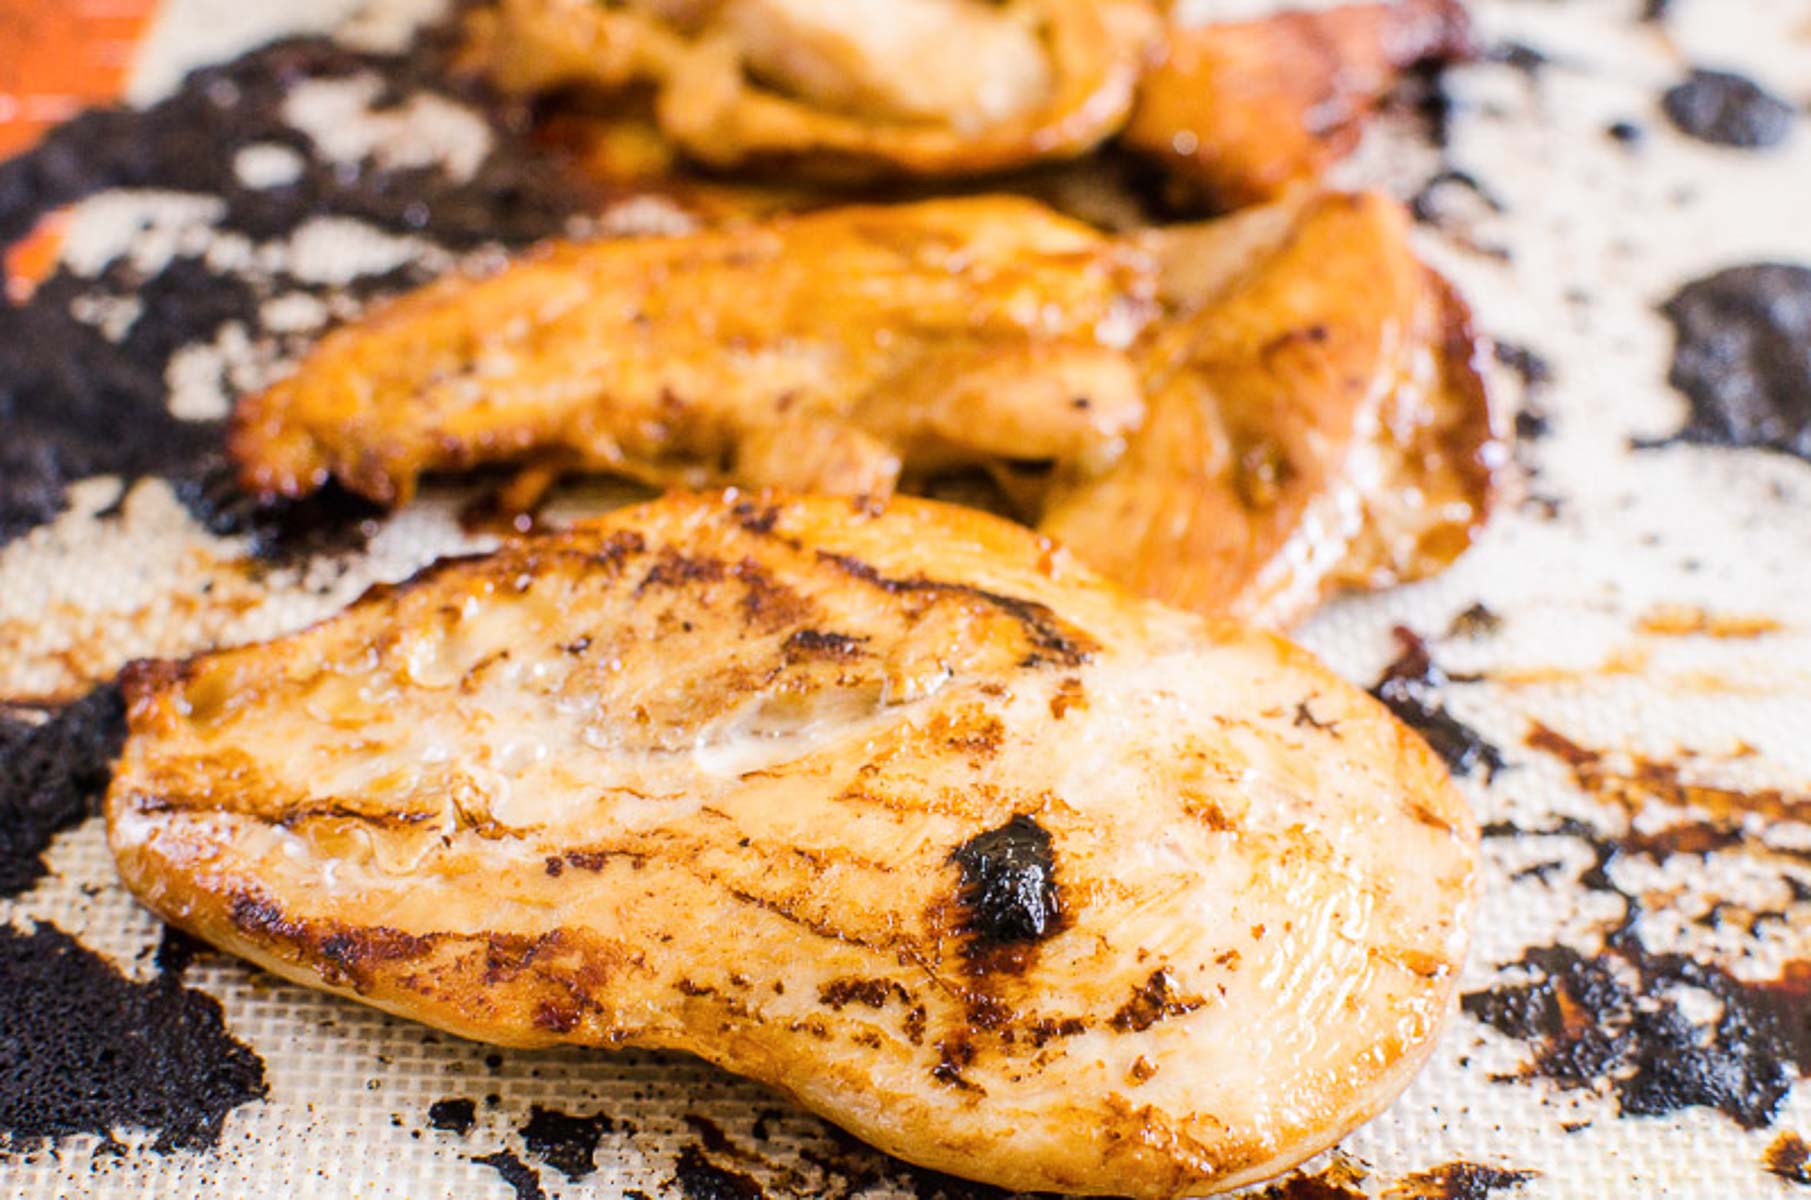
(1008, 888)
(1054, 641)
(870, 993)
(672, 569)
(344, 956)
(816, 644)
(1457, 1181)
(1154, 1000)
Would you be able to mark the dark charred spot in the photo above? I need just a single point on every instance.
(1305, 719)
(52, 775)
(1049, 1029)
(671, 569)
(872, 993)
(1008, 885)
(89, 1051)
(812, 643)
(517, 1174)
(566, 1143)
(1476, 621)
(1789, 1158)
(1410, 689)
(1726, 109)
(755, 518)
(698, 1178)
(1155, 999)
(1743, 358)
(954, 1054)
(1626, 132)
(1458, 1181)
(453, 1115)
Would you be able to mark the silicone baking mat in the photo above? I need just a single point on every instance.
(1622, 666)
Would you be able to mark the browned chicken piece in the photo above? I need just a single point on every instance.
(843, 88)
(1302, 414)
(1238, 112)
(900, 811)
(818, 352)
(1316, 421)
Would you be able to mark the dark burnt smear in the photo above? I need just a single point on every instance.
(1612, 1023)
(52, 775)
(1626, 132)
(1009, 885)
(75, 404)
(1338, 1180)
(698, 1178)
(1655, 10)
(1726, 109)
(1439, 204)
(1789, 1158)
(1743, 358)
(176, 952)
(564, 1142)
(89, 1051)
(852, 1168)
(1458, 1181)
(517, 1174)
(456, 1115)
(1154, 1000)
(1410, 689)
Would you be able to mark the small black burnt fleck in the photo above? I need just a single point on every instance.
(566, 1143)
(1726, 109)
(1626, 132)
(1743, 357)
(1009, 883)
(453, 1115)
(1458, 1181)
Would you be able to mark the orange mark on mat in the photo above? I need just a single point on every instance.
(1679, 620)
(56, 58)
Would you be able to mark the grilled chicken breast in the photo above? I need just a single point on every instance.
(1297, 389)
(817, 352)
(1239, 111)
(1315, 419)
(898, 810)
(843, 89)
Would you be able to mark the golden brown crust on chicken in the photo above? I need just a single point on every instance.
(1238, 112)
(1316, 421)
(1300, 401)
(843, 89)
(819, 352)
(900, 811)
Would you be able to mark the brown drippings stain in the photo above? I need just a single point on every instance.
(1648, 782)
(1678, 620)
(1790, 1159)
(1457, 1181)
(1338, 1180)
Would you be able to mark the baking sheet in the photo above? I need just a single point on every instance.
(1651, 602)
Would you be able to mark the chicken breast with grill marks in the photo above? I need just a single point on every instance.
(1297, 391)
(900, 811)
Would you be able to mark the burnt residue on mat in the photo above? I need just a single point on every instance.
(698, 1178)
(517, 1174)
(77, 400)
(455, 1115)
(1726, 109)
(89, 1051)
(1743, 357)
(566, 1143)
(1410, 688)
(1457, 1181)
(1613, 1023)
(1789, 1158)
(52, 773)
